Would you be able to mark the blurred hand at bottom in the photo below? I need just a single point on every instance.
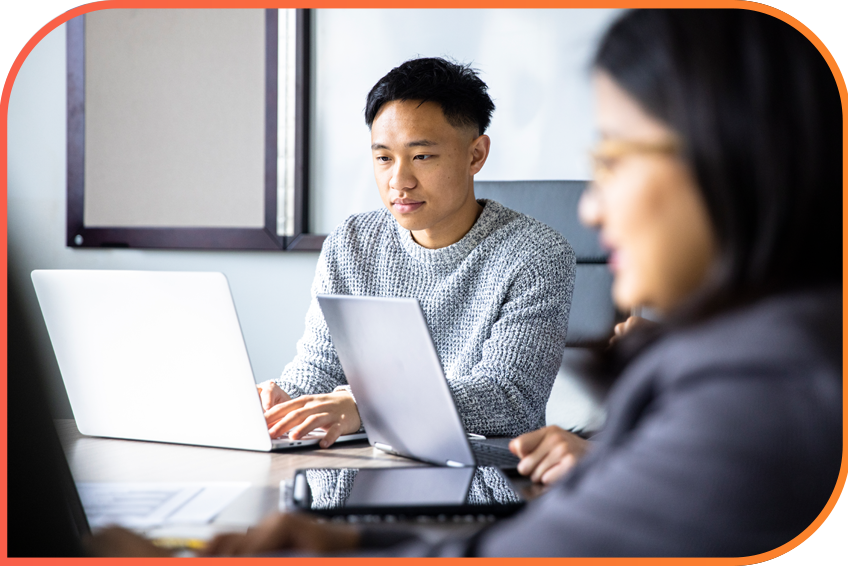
(286, 532)
(115, 541)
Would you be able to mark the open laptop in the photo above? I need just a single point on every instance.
(158, 356)
(394, 371)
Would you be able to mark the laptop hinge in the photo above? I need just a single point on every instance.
(384, 447)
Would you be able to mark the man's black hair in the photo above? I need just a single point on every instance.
(457, 88)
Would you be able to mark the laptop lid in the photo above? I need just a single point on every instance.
(151, 355)
(394, 371)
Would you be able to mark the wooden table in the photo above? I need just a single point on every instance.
(94, 459)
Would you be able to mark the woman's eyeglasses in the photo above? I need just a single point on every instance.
(608, 153)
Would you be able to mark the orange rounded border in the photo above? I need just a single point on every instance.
(733, 4)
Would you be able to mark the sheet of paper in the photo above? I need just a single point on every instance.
(147, 505)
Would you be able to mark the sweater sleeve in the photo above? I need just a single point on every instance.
(506, 392)
(316, 367)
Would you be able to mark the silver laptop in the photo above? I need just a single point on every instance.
(158, 356)
(394, 371)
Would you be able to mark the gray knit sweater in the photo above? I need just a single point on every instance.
(496, 302)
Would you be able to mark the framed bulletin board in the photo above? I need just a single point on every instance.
(188, 129)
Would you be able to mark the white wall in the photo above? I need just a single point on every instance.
(535, 62)
(271, 289)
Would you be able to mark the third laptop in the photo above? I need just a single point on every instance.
(394, 371)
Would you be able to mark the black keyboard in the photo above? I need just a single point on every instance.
(491, 455)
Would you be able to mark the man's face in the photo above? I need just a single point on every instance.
(424, 169)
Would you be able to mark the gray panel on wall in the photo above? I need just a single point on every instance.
(175, 118)
(593, 313)
(551, 202)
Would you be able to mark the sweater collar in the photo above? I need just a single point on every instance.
(490, 219)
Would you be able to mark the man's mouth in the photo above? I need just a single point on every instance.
(406, 205)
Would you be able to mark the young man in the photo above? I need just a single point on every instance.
(495, 285)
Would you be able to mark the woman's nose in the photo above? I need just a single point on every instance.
(589, 207)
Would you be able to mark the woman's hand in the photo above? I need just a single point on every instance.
(285, 532)
(335, 413)
(628, 325)
(547, 454)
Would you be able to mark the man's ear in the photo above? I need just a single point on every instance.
(479, 150)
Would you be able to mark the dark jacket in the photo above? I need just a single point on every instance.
(723, 439)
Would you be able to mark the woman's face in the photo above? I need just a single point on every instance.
(644, 199)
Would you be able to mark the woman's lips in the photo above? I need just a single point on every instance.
(613, 257)
(613, 261)
(405, 206)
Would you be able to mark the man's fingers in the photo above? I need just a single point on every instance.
(265, 398)
(288, 422)
(302, 415)
(281, 410)
(310, 423)
(332, 434)
(300, 421)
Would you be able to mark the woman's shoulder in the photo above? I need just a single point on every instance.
(788, 330)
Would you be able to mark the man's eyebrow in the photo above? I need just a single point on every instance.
(414, 143)
(421, 143)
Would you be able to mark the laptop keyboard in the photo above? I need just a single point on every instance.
(491, 455)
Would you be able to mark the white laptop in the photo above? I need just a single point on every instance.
(394, 371)
(158, 356)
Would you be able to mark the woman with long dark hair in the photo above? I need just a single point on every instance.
(718, 192)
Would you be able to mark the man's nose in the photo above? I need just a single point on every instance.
(402, 178)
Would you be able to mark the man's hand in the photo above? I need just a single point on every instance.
(270, 394)
(548, 453)
(286, 532)
(335, 412)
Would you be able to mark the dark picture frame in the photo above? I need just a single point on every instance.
(265, 238)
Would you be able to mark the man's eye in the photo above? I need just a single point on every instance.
(382, 158)
(422, 157)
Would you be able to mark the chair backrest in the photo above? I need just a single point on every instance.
(593, 314)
